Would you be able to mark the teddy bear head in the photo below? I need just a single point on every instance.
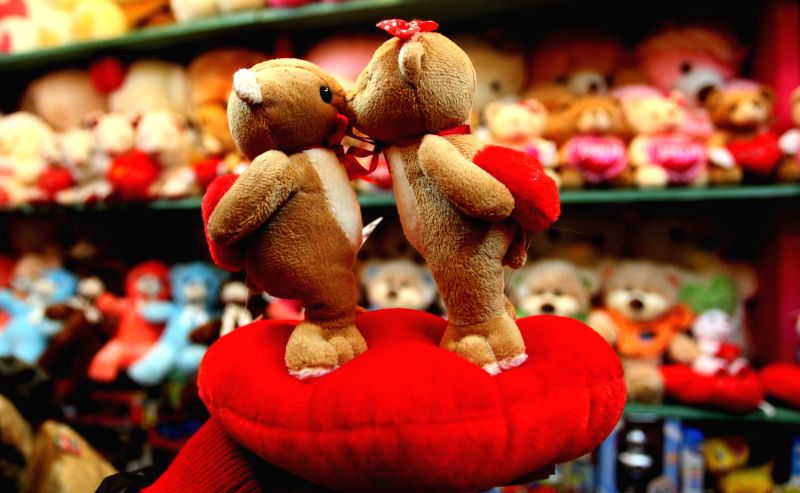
(412, 87)
(54, 286)
(740, 107)
(25, 143)
(310, 109)
(554, 287)
(113, 133)
(511, 121)
(398, 283)
(196, 283)
(148, 280)
(655, 114)
(640, 290)
(588, 115)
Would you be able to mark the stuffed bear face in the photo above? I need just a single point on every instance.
(714, 324)
(161, 132)
(54, 286)
(554, 287)
(591, 115)
(654, 115)
(398, 284)
(640, 291)
(411, 88)
(284, 104)
(745, 108)
(25, 141)
(113, 133)
(196, 283)
(515, 121)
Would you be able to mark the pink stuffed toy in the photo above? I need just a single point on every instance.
(134, 336)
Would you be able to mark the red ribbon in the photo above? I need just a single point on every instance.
(405, 30)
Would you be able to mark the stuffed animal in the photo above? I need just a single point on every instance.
(165, 137)
(234, 296)
(398, 283)
(789, 170)
(26, 141)
(134, 336)
(691, 59)
(152, 85)
(520, 125)
(98, 19)
(415, 97)
(18, 31)
(743, 142)
(27, 332)
(554, 287)
(644, 320)
(344, 56)
(63, 98)
(87, 165)
(282, 115)
(500, 71)
(590, 132)
(143, 13)
(661, 153)
(195, 288)
(188, 10)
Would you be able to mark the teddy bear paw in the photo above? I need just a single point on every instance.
(308, 353)
(348, 342)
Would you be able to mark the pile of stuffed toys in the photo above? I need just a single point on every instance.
(27, 25)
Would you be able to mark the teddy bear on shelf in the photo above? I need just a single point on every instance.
(195, 287)
(164, 136)
(133, 335)
(234, 295)
(27, 332)
(291, 220)
(743, 143)
(789, 170)
(661, 153)
(398, 283)
(64, 98)
(188, 10)
(464, 211)
(644, 320)
(26, 142)
(520, 125)
(591, 133)
(554, 287)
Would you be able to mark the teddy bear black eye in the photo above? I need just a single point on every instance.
(326, 94)
(686, 67)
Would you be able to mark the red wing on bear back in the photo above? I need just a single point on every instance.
(537, 204)
(228, 257)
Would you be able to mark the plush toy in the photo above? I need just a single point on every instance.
(454, 212)
(188, 10)
(725, 457)
(18, 31)
(789, 142)
(152, 85)
(134, 336)
(398, 283)
(165, 137)
(63, 98)
(499, 68)
(27, 332)
(644, 320)
(143, 13)
(195, 288)
(234, 295)
(743, 141)
(86, 164)
(299, 108)
(26, 141)
(520, 125)
(344, 56)
(661, 153)
(98, 19)
(782, 380)
(591, 131)
(554, 287)
(691, 59)
(132, 176)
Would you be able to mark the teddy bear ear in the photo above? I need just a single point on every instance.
(709, 95)
(246, 87)
(410, 61)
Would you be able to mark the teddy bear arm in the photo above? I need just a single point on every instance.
(602, 323)
(10, 303)
(636, 151)
(157, 311)
(264, 186)
(790, 141)
(683, 349)
(108, 304)
(469, 188)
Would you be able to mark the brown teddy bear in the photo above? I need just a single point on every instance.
(789, 169)
(292, 216)
(591, 132)
(643, 319)
(415, 96)
(743, 141)
(554, 287)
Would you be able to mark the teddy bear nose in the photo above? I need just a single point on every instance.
(593, 88)
(636, 304)
(548, 308)
(391, 294)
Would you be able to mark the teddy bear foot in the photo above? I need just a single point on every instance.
(495, 345)
(348, 342)
(308, 353)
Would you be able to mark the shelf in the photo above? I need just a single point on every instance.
(782, 415)
(314, 15)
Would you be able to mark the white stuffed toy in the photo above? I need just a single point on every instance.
(165, 136)
(398, 283)
(26, 144)
(77, 154)
(554, 287)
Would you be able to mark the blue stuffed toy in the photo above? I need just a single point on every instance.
(195, 288)
(28, 331)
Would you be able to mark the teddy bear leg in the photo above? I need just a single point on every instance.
(651, 177)
(645, 383)
(308, 352)
(725, 176)
(105, 364)
(510, 309)
(571, 178)
(789, 171)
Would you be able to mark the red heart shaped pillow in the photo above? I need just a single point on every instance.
(736, 393)
(409, 416)
(782, 381)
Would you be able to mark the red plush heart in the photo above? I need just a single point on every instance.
(229, 257)
(782, 381)
(536, 198)
(736, 393)
(409, 416)
(759, 155)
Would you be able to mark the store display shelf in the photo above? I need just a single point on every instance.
(781, 415)
(307, 17)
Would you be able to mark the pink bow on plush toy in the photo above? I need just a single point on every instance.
(404, 30)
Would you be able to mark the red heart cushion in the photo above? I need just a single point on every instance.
(782, 381)
(409, 416)
(759, 155)
(736, 393)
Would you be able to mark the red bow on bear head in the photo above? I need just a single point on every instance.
(404, 30)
